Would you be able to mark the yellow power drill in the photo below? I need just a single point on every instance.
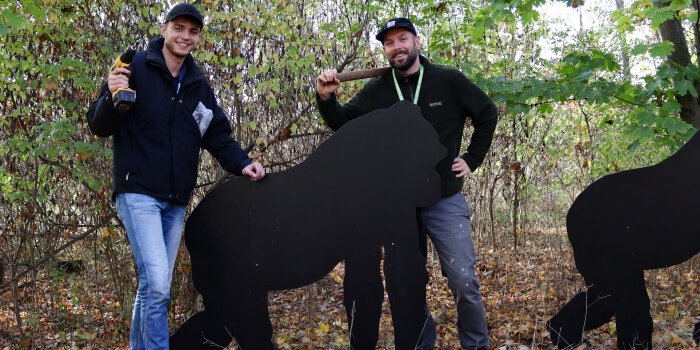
(124, 98)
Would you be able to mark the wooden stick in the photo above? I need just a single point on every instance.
(362, 74)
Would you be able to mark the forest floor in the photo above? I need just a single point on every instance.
(522, 288)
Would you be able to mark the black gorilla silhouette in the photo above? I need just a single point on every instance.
(358, 191)
(623, 224)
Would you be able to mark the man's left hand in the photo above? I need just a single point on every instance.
(460, 167)
(255, 171)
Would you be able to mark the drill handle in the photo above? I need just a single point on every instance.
(125, 59)
(124, 98)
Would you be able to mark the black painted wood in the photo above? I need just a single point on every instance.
(620, 225)
(356, 192)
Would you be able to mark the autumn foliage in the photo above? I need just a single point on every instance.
(594, 100)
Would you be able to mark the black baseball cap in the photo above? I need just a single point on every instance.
(394, 23)
(185, 9)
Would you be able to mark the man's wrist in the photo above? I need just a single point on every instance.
(325, 97)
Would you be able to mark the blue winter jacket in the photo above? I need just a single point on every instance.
(156, 143)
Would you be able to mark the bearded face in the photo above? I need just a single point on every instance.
(403, 60)
(401, 48)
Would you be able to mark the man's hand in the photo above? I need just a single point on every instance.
(118, 78)
(460, 167)
(327, 83)
(254, 170)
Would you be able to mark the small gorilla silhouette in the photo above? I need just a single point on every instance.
(357, 192)
(619, 226)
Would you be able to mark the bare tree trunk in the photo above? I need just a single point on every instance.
(696, 27)
(516, 209)
(492, 188)
(625, 54)
(672, 30)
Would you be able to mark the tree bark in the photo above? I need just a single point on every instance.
(625, 53)
(672, 30)
(696, 27)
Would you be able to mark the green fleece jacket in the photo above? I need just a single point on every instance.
(446, 98)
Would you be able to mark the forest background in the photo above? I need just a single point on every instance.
(584, 89)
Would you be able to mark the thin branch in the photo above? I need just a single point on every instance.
(58, 250)
(630, 102)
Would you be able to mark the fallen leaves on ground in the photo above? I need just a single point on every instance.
(521, 288)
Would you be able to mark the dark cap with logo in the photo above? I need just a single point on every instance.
(393, 24)
(185, 9)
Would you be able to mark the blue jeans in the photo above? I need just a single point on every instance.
(154, 228)
(447, 225)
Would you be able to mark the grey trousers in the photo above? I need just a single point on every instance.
(447, 224)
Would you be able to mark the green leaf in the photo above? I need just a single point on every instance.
(666, 72)
(252, 69)
(640, 133)
(686, 86)
(633, 146)
(545, 108)
(585, 75)
(659, 15)
(674, 125)
(662, 49)
(11, 19)
(519, 108)
(640, 49)
(643, 116)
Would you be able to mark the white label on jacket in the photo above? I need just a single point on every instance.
(202, 115)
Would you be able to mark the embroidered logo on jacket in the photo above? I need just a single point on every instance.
(435, 104)
(202, 116)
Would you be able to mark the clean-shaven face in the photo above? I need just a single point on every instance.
(181, 36)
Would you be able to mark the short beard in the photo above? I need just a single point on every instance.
(410, 59)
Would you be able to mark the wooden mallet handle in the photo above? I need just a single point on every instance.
(362, 74)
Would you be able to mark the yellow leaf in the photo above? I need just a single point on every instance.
(324, 327)
(117, 304)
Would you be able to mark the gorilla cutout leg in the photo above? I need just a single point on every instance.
(406, 293)
(210, 329)
(626, 297)
(363, 296)
(252, 326)
(203, 330)
(634, 323)
(585, 311)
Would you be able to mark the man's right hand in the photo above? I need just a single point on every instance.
(327, 83)
(118, 78)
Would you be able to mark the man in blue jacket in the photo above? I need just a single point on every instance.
(156, 147)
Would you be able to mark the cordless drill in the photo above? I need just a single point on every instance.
(124, 98)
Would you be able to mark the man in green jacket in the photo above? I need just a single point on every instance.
(446, 98)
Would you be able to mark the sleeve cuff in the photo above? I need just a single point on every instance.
(471, 162)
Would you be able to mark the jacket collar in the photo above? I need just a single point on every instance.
(154, 56)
